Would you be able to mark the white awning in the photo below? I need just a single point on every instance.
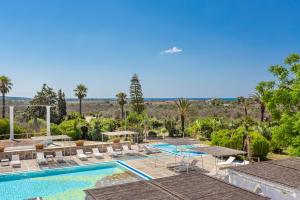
(52, 137)
(119, 133)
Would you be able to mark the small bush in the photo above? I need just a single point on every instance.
(294, 149)
(79, 143)
(116, 140)
(55, 129)
(229, 138)
(39, 146)
(4, 126)
(152, 133)
(259, 145)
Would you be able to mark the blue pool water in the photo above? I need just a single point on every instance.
(184, 150)
(63, 183)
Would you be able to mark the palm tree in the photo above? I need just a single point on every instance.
(263, 93)
(80, 92)
(183, 108)
(244, 103)
(5, 87)
(257, 97)
(121, 99)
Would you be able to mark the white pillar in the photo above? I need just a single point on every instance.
(48, 120)
(11, 123)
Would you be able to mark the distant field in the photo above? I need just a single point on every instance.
(158, 108)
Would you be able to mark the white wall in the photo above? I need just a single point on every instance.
(269, 189)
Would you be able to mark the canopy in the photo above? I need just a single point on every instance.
(119, 133)
(53, 137)
(219, 151)
(180, 141)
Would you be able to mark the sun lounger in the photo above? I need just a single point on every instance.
(41, 158)
(96, 153)
(151, 150)
(128, 151)
(113, 153)
(245, 162)
(140, 148)
(81, 155)
(15, 161)
(59, 157)
(187, 166)
(227, 162)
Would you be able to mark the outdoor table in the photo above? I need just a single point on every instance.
(4, 162)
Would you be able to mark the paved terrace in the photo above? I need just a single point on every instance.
(153, 165)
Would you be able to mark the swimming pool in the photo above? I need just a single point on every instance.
(63, 183)
(184, 150)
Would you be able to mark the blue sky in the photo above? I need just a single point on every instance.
(226, 46)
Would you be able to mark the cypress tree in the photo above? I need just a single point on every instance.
(136, 95)
(61, 105)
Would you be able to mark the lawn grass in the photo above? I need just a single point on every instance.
(276, 156)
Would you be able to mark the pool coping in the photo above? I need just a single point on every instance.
(134, 170)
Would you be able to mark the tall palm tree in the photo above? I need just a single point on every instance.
(5, 87)
(257, 97)
(80, 93)
(121, 99)
(183, 108)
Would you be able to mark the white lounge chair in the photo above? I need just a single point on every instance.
(140, 148)
(15, 161)
(128, 151)
(245, 162)
(187, 166)
(41, 158)
(81, 155)
(59, 156)
(113, 153)
(227, 162)
(96, 153)
(151, 150)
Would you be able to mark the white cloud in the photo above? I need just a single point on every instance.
(172, 50)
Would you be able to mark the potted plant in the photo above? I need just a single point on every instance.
(2, 148)
(116, 140)
(79, 143)
(39, 146)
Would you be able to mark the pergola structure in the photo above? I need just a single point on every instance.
(11, 120)
(179, 142)
(119, 133)
(219, 152)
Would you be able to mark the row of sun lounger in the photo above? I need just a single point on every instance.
(40, 157)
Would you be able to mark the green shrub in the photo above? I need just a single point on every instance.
(72, 128)
(5, 129)
(155, 124)
(294, 149)
(276, 147)
(152, 133)
(74, 115)
(259, 145)
(55, 129)
(170, 125)
(229, 138)
(221, 138)
(4, 126)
